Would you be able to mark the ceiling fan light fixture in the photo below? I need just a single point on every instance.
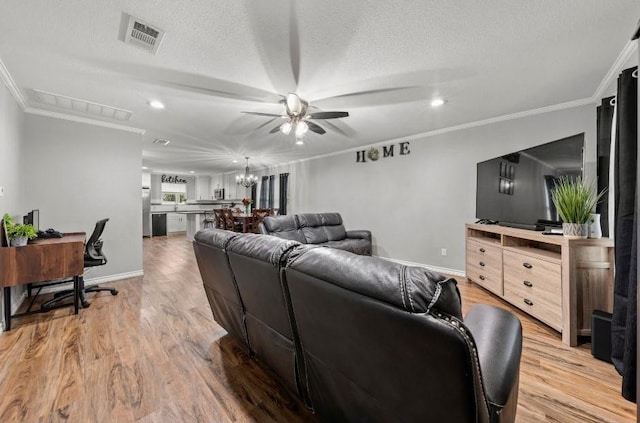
(299, 141)
(294, 105)
(285, 128)
(301, 128)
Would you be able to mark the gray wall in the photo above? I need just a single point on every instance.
(417, 204)
(76, 174)
(11, 134)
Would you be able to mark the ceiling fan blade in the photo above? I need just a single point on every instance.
(328, 115)
(315, 128)
(261, 114)
(274, 130)
(294, 43)
(266, 123)
(376, 97)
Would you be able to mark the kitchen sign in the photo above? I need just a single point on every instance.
(173, 179)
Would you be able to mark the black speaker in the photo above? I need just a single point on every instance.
(601, 335)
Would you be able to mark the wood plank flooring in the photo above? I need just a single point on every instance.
(154, 354)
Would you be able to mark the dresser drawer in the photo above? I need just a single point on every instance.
(535, 286)
(484, 265)
(489, 280)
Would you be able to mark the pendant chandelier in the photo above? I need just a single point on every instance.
(247, 180)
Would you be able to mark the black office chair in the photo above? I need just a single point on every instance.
(93, 256)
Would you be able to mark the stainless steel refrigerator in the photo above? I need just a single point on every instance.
(146, 211)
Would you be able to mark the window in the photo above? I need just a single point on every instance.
(174, 193)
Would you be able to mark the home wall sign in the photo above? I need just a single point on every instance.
(373, 154)
(173, 179)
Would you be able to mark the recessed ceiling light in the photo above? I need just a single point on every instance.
(437, 102)
(192, 171)
(234, 161)
(144, 168)
(156, 104)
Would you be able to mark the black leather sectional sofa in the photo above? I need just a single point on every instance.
(359, 338)
(325, 229)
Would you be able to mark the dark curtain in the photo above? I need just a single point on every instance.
(604, 120)
(263, 192)
(254, 196)
(271, 190)
(623, 324)
(284, 183)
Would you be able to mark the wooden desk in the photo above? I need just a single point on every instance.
(39, 261)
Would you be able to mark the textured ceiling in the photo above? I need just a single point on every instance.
(218, 58)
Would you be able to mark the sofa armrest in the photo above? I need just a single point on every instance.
(363, 234)
(498, 337)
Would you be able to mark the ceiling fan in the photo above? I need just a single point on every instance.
(297, 117)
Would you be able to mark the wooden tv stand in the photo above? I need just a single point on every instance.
(557, 280)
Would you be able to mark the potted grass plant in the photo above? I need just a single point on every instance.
(19, 234)
(575, 200)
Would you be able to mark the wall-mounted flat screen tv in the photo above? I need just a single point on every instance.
(515, 189)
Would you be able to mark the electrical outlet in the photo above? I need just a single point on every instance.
(443, 251)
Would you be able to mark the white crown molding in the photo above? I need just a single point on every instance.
(629, 49)
(64, 116)
(518, 115)
(438, 269)
(11, 86)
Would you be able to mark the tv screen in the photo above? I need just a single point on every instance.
(515, 189)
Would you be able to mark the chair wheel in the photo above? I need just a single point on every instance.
(85, 304)
(114, 292)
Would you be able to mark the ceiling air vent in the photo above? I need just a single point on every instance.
(161, 141)
(143, 35)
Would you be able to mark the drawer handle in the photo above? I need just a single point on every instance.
(528, 302)
(481, 264)
(482, 278)
(482, 250)
(527, 283)
(527, 265)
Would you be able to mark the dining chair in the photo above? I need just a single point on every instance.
(219, 217)
(258, 217)
(209, 221)
(230, 222)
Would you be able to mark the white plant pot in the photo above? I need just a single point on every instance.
(19, 241)
(575, 230)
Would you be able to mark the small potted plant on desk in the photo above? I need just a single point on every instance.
(19, 234)
(575, 201)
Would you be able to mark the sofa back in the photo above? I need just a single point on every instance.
(256, 262)
(307, 228)
(285, 227)
(219, 283)
(382, 342)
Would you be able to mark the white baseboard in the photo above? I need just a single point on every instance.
(446, 270)
(67, 286)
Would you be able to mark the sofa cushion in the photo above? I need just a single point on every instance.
(285, 227)
(414, 289)
(357, 246)
(311, 226)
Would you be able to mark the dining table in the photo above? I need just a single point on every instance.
(246, 220)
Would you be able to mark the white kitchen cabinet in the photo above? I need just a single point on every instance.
(176, 222)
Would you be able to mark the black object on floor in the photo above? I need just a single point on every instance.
(601, 335)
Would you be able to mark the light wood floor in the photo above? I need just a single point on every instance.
(154, 354)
